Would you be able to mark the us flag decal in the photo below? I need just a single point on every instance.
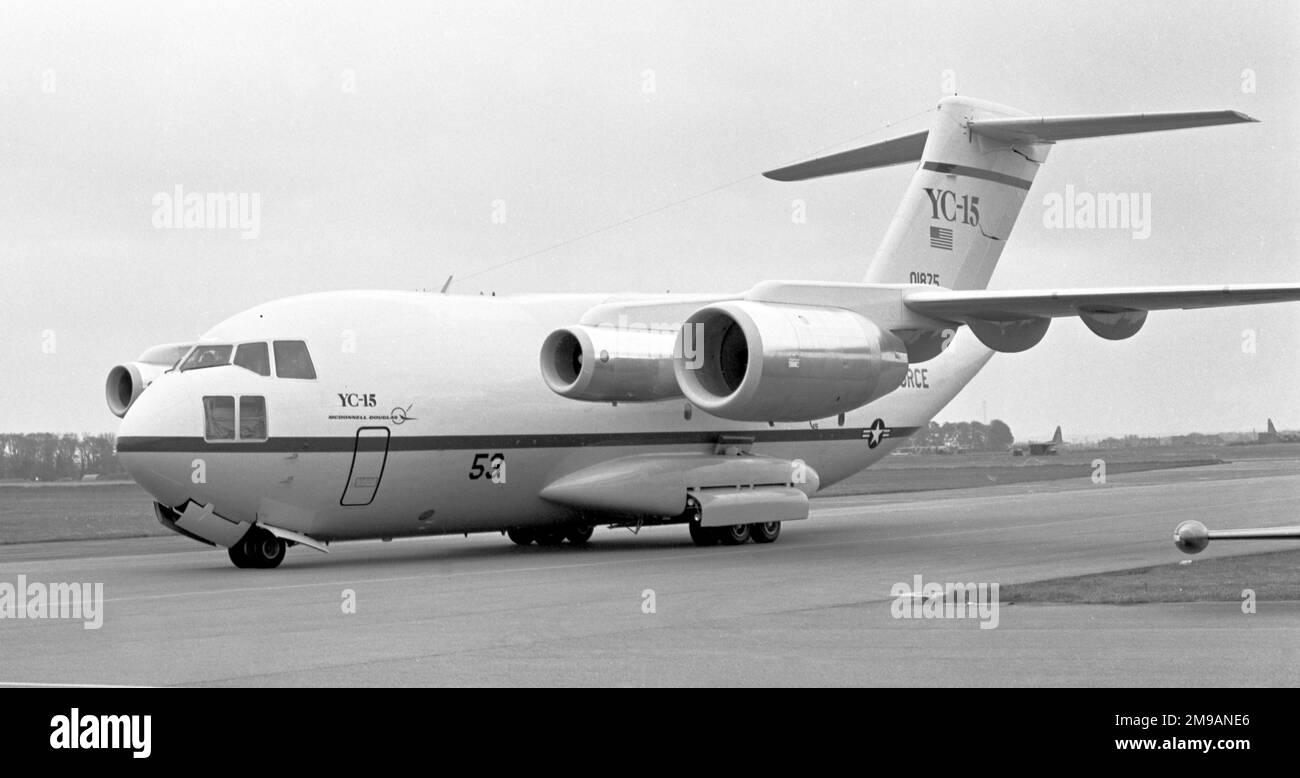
(941, 238)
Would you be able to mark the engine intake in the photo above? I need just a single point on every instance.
(126, 382)
(751, 361)
(610, 364)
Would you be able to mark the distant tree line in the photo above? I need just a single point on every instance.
(1191, 439)
(46, 456)
(965, 436)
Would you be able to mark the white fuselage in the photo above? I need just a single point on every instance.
(449, 382)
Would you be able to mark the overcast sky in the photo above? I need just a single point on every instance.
(382, 139)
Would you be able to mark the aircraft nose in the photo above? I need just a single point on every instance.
(144, 450)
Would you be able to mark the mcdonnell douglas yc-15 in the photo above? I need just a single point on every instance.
(541, 416)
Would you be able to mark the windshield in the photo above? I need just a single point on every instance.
(207, 356)
(168, 354)
(255, 357)
(292, 360)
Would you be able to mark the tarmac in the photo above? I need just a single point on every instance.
(651, 609)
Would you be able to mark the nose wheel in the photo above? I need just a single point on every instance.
(258, 549)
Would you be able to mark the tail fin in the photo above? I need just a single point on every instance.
(978, 161)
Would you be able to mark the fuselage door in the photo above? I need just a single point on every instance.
(368, 460)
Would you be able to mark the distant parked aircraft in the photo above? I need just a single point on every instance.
(1040, 449)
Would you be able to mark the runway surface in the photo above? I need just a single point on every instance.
(811, 609)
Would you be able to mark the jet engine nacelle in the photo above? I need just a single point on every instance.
(127, 381)
(610, 364)
(752, 361)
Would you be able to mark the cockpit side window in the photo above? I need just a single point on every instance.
(255, 357)
(292, 360)
(207, 356)
(219, 418)
(252, 417)
(221, 423)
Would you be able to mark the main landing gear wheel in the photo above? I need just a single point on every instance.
(258, 549)
(735, 535)
(703, 536)
(579, 535)
(549, 537)
(521, 536)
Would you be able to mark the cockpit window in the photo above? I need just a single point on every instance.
(292, 360)
(252, 417)
(221, 423)
(207, 356)
(255, 357)
(219, 418)
(167, 354)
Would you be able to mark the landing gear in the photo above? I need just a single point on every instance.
(766, 532)
(735, 535)
(521, 536)
(258, 549)
(549, 537)
(579, 535)
(703, 536)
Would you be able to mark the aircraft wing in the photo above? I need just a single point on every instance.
(988, 305)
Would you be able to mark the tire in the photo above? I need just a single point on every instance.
(550, 537)
(703, 536)
(521, 536)
(266, 550)
(259, 549)
(579, 535)
(735, 535)
(765, 533)
(236, 554)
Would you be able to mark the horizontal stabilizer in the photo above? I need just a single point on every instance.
(895, 151)
(1049, 129)
(988, 305)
